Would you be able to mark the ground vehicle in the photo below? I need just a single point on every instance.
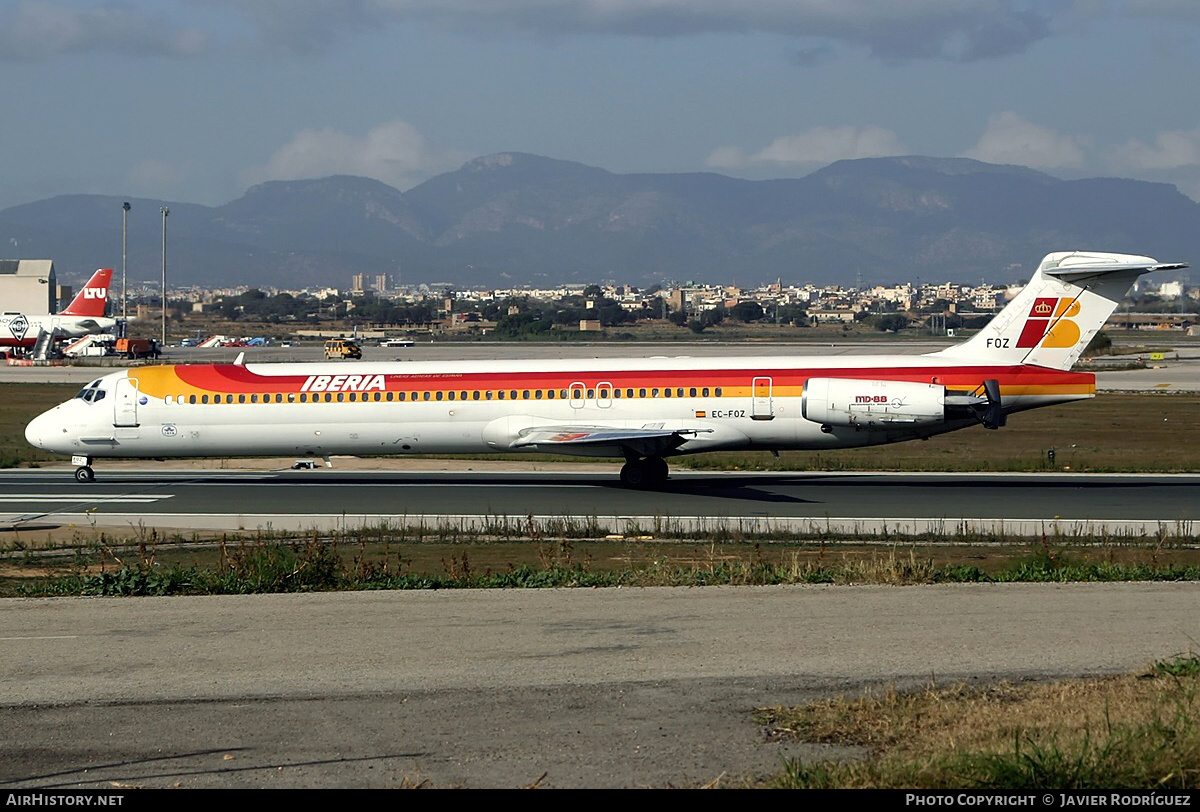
(342, 348)
(397, 342)
(136, 347)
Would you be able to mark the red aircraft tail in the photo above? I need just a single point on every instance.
(91, 300)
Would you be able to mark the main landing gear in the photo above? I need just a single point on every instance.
(84, 472)
(646, 472)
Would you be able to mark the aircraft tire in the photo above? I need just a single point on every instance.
(84, 473)
(650, 472)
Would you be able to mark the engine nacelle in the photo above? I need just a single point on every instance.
(871, 404)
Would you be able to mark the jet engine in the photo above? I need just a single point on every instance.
(871, 404)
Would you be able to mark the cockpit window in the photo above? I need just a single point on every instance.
(92, 392)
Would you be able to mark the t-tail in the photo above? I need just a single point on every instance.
(1052, 320)
(91, 300)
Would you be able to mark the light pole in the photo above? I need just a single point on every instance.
(125, 207)
(165, 211)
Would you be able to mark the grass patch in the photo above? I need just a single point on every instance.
(1136, 731)
(501, 556)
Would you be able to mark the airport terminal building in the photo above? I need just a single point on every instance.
(28, 286)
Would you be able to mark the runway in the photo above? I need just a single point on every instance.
(324, 499)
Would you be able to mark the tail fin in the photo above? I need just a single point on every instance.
(1065, 304)
(91, 300)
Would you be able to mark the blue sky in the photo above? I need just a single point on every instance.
(196, 100)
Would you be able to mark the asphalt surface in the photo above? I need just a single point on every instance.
(328, 499)
(562, 688)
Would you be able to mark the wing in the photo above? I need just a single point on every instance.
(646, 441)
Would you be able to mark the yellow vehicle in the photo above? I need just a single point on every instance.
(342, 348)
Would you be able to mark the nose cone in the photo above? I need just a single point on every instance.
(39, 431)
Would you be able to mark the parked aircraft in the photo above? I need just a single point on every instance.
(642, 409)
(85, 314)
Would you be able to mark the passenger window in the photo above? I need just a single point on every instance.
(718, 391)
(692, 391)
(291, 397)
(666, 393)
(704, 391)
(537, 394)
(451, 396)
(204, 398)
(475, 395)
(439, 395)
(191, 398)
(512, 394)
(525, 395)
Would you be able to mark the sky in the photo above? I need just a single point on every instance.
(197, 100)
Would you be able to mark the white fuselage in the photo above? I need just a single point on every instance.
(474, 407)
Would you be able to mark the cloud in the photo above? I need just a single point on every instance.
(1010, 139)
(394, 153)
(33, 30)
(957, 30)
(157, 178)
(815, 147)
(1171, 150)
(954, 30)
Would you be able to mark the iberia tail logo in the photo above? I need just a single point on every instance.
(1052, 320)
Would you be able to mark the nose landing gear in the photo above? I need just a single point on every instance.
(84, 472)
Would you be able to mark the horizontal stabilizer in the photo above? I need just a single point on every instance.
(1077, 273)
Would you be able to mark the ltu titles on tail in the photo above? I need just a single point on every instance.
(643, 410)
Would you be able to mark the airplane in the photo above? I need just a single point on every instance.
(644, 410)
(85, 314)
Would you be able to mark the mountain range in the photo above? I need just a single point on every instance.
(515, 219)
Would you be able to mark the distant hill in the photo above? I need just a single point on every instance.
(512, 219)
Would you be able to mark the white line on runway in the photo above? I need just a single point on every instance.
(75, 497)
